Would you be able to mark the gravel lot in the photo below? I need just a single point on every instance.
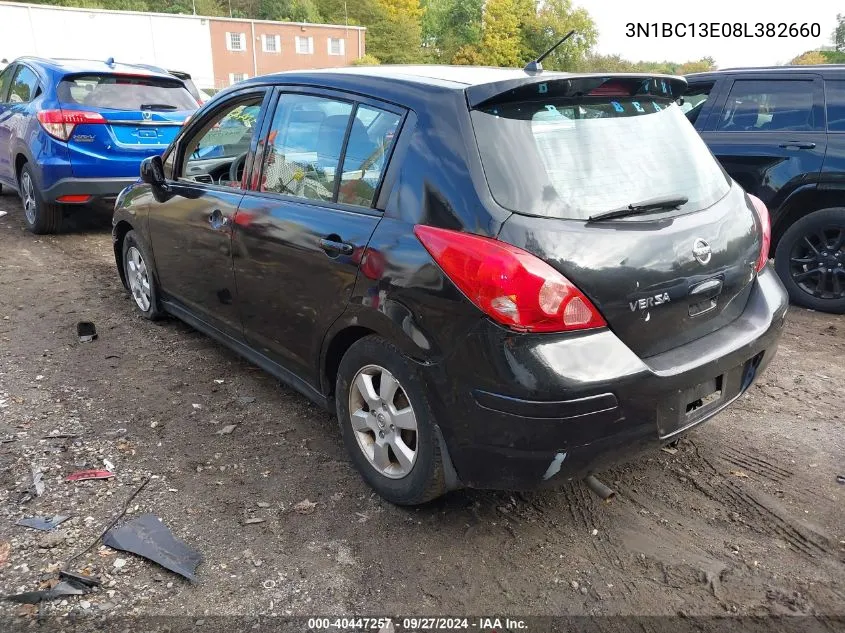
(746, 517)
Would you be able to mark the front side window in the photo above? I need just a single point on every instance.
(5, 82)
(771, 105)
(125, 92)
(336, 46)
(575, 157)
(370, 139)
(304, 45)
(304, 146)
(216, 153)
(24, 86)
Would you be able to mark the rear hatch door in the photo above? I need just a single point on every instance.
(661, 277)
(135, 116)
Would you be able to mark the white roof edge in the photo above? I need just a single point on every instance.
(49, 7)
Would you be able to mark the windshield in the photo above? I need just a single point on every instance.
(122, 92)
(573, 158)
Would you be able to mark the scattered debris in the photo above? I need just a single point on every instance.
(246, 399)
(39, 377)
(81, 579)
(5, 550)
(109, 466)
(739, 473)
(53, 539)
(595, 532)
(63, 588)
(305, 507)
(253, 521)
(263, 504)
(37, 485)
(86, 331)
(59, 436)
(149, 538)
(2, 213)
(840, 479)
(119, 563)
(43, 523)
(227, 430)
(196, 406)
(219, 381)
(110, 356)
(84, 475)
(669, 449)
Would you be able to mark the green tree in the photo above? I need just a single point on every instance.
(809, 58)
(501, 44)
(289, 11)
(839, 33)
(545, 26)
(449, 25)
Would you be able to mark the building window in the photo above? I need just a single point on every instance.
(236, 41)
(337, 46)
(304, 45)
(236, 77)
(271, 43)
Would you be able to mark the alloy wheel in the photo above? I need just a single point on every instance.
(138, 277)
(28, 194)
(817, 263)
(383, 421)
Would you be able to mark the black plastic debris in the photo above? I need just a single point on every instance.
(63, 588)
(79, 579)
(149, 538)
(43, 523)
(86, 331)
(840, 479)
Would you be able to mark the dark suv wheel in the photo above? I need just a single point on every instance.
(810, 260)
(41, 217)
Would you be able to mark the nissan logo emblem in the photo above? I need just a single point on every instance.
(701, 251)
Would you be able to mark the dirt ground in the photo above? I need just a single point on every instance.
(746, 517)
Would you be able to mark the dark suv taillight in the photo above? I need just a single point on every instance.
(510, 285)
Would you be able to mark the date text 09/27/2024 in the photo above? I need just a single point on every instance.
(421, 623)
(722, 29)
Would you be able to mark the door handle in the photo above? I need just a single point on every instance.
(798, 145)
(217, 220)
(336, 246)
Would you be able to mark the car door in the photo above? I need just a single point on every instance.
(302, 230)
(770, 134)
(7, 172)
(191, 226)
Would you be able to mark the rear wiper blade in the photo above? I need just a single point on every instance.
(157, 106)
(654, 204)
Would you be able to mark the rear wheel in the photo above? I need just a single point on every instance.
(41, 217)
(810, 260)
(387, 424)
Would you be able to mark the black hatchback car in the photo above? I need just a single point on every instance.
(495, 278)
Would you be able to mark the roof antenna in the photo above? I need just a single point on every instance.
(110, 61)
(536, 65)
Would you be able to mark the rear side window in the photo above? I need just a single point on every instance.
(24, 86)
(771, 105)
(576, 157)
(694, 99)
(125, 92)
(370, 140)
(835, 92)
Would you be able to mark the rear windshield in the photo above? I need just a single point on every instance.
(122, 92)
(576, 157)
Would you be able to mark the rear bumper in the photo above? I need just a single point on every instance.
(97, 188)
(524, 411)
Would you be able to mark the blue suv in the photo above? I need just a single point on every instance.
(74, 132)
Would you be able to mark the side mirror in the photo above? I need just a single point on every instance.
(152, 171)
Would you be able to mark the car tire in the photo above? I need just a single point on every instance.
(139, 272)
(810, 260)
(41, 217)
(390, 411)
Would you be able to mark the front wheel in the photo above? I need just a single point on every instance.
(140, 278)
(387, 424)
(810, 260)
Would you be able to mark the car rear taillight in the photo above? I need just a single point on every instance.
(765, 230)
(508, 284)
(60, 123)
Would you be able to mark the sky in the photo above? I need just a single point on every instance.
(611, 17)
